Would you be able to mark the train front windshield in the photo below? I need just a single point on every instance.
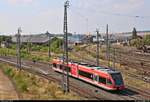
(117, 77)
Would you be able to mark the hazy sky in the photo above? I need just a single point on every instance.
(38, 16)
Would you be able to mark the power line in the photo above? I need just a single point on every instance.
(83, 17)
(95, 10)
(78, 10)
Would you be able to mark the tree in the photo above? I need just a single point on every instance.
(56, 44)
(134, 33)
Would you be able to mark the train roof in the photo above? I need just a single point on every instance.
(94, 67)
(100, 68)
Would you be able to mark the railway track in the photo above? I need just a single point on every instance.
(136, 56)
(135, 76)
(78, 86)
(144, 77)
(131, 60)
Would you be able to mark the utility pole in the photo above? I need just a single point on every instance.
(97, 52)
(114, 59)
(49, 45)
(18, 50)
(29, 45)
(65, 57)
(107, 46)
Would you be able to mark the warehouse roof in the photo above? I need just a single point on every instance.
(38, 38)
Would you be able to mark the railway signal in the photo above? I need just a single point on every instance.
(18, 49)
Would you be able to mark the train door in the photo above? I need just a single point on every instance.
(74, 71)
(95, 78)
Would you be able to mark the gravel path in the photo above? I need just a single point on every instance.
(7, 90)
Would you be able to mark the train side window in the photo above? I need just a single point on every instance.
(86, 74)
(54, 65)
(102, 80)
(61, 67)
(95, 78)
(109, 82)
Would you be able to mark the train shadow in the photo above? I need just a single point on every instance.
(125, 92)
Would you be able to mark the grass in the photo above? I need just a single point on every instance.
(32, 87)
(7, 52)
(24, 55)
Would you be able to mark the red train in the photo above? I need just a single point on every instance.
(102, 77)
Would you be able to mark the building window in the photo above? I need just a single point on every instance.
(86, 74)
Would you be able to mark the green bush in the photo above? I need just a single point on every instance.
(56, 45)
(6, 52)
(13, 46)
(8, 71)
(77, 48)
(44, 49)
(35, 58)
(140, 42)
(36, 47)
(147, 40)
(23, 86)
(137, 43)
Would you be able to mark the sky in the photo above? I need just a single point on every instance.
(39, 16)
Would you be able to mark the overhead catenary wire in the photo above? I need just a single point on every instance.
(85, 18)
(78, 11)
(93, 10)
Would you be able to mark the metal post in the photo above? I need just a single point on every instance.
(29, 45)
(120, 57)
(63, 75)
(49, 44)
(18, 49)
(114, 59)
(107, 46)
(66, 5)
(97, 52)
